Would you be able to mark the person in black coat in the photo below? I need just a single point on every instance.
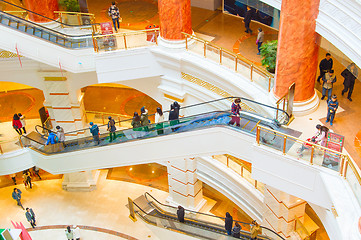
(247, 19)
(350, 75)
(174, 115)
(325, 66)
(180, 214)
(228, 223)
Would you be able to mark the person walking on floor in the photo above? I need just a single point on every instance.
(180, 214)
(236, 231)
(60, 134)
(17, 196)
(13, 177)
(325, 66)
(255, 230)
(30, 216)
(113, 12)
(247, 19)
(332, 106)
(260, 39)
(23, 123)
(27, 179)
(235, 109)
(36, 171)
(94, 130)
(350, 74)
(328, 80)
(159, 119)
(228, 223)
(111, 129)
(69, 233)
(17, 124)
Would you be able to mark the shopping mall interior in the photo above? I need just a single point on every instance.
(61, 68)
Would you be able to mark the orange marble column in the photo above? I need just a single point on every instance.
(42, 7)
(174, 18)
(297, 52)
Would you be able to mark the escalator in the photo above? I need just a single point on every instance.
(197, 224)
(20, 23)
(194, 117)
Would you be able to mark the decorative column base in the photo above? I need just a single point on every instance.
(84, 181)
(176, 45)
(300, 108)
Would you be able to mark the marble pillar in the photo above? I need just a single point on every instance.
(184, 187)
(281, 211)
(84, 181)
(297, 52)
(44, 7)
(63, 109)
(174, 18)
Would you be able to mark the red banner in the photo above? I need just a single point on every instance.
(106, 28)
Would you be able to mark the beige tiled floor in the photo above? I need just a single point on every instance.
(104, 207)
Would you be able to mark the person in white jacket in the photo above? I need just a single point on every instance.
(159, 119)
(76, 232)
(60, 134)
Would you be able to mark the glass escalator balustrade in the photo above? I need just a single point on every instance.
(40, 31)
(205, 119)
(203, 225)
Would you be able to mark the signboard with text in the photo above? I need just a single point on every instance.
(335, 142)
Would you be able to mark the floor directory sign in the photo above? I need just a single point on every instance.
(335, 142)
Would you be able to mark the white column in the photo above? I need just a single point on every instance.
(184, 187)
(84, 181)
(281, 211)
(59, 101)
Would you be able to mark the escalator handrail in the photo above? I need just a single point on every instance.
(185, 107)
(24, 136)
(47, 29)
(27, 10)
(146, 193)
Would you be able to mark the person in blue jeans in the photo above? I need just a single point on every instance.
(16, 195)
(332, 106)
(94, 129)
(228, 223)
(113, 12)
(328, 80)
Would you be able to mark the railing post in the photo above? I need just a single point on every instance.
(21, 143)
(205, 48)
(61, 20)
(284, 104)
(258, 133)
(220, 56)
(227, 161)
(125, 41)
(186, 43)
(278, 105)
(346, 168)
(269, 84)
(1, 150)
(342, 165)
(119, 121)
(251, 72)
(284, 144)
(312, 152)
(241, 171)
(255, 183)
(236, 65)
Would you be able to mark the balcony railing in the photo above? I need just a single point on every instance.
(313, 154)
(229, 59)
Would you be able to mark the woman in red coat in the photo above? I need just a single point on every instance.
(17, 124)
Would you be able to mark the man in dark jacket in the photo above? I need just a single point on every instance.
(325, 66)
(350, 75)
(180, 214)
(17, 196)
(247, 19)
(30, 216)
(228, 223)
(332, 106)
(94, 129)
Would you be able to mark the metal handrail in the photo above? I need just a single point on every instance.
(209, 215)
(236, 56)
(135, 32)
(185, 107)
(27, 10)
(345, 159)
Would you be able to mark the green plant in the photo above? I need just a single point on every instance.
(70, 5)
(269, 54)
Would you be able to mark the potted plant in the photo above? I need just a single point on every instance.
(269, 54)
(70, 6)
